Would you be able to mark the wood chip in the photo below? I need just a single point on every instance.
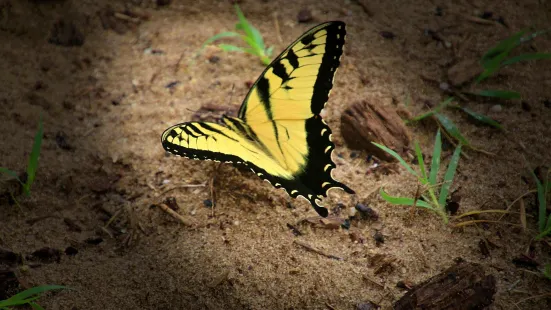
(371, 121)
(175, 215)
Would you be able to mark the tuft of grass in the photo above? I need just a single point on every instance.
(28, 297)
(543, 190)
(32, 165)
(497, 58)
(449, 126)
(435, 196)
(251, 37)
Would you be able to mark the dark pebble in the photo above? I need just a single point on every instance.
(172, 84)
(207, 203)
(94, 240)
(46, 255)
(547, 103)
(61, 141)
(525, 106)
(172, 203)
(214, 59)
(367, 212)
(71, 251)
(66, 34)
(304, 16)
(367, 306)
(387, 35)
(379, 238)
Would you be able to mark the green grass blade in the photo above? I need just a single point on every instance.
(34, 291)
(420, 160)
(526, 57)
(227, 34)
(405, 201)
(17, 302)
(33, 158)
(249, 29)
(448, 177)
(36, 306)
(435, 164)
(398, 157)
(268, 52)
(541, 202)
(504, 46)
(480, 117)
(422, 116)
(441, 106)
(232, 48)
(503, 94)
(253, 44)
(451, 128)
(11, 173)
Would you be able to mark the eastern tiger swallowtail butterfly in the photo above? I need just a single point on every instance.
(279, 133)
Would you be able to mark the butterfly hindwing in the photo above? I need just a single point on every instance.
(279, 133)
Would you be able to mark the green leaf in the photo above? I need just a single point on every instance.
(504, 46)
(504, 94)
(269, 51)
(11, 173)
(405, 201)
(33, 158)
(226, 34)
(249, 29)
(435, 164)
(231, 48)
(526, 57)
(481, 117)
(542, 210)
(441, 106)
(29, 295)
(448, 177)
(36, 306)
(253, 45)
(451, 128)
(420, 160)
(398, 157)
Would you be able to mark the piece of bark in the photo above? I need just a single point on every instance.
(463, 286)
(365, 122)
(464, 71)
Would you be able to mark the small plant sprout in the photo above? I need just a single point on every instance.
(32, 164)
(435, 196)
(498, 57)
(251, 37)
(543, 190)
(450, 127)
(28, 297)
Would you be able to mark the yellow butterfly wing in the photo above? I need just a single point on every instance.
(285, 103)
(279, 133)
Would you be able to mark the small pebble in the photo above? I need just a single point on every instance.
(207, 203)
(304, 16)
(496, 108)
(387, 35)
(379, 238)
(447, 44)
(444, 86)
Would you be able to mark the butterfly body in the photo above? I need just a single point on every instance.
(279, 133)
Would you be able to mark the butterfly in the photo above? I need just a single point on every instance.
(279, 133)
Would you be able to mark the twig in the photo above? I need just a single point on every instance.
(175, 215)
(278, 32)
(372, 281)
(532, 297)
(317, 251)
(182, 186)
